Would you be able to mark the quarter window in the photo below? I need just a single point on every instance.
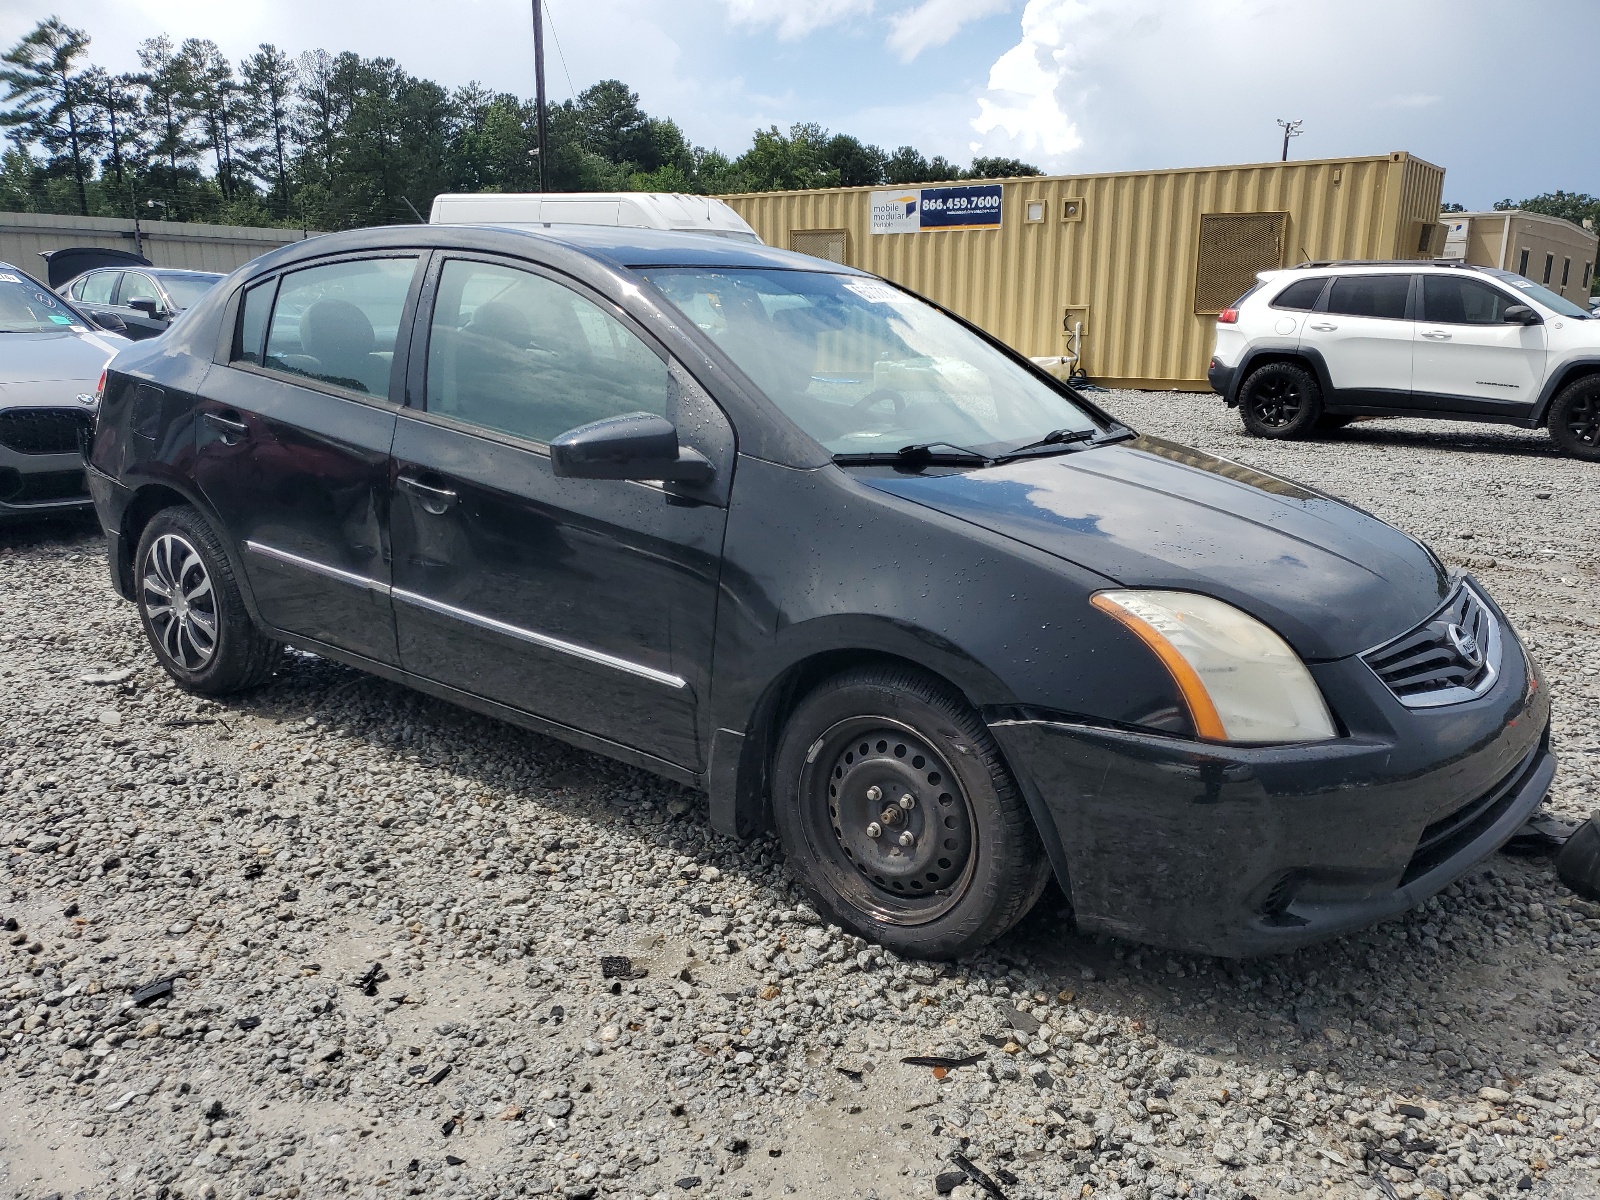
(1452, 300)
(338, 323)
(1369, 296)
(515, 352)
(1301, 295)
(253, 322)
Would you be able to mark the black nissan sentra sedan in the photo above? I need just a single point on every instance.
(787, 533)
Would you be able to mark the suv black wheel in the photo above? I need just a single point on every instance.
(191, 609)
(899, 817)
(1280, 400)
(1575, 419)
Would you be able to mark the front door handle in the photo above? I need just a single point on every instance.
(1324, 328)
(433, 499)
(232, 429)
(1437, 335)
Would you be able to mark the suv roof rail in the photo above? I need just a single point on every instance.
(1387, 262)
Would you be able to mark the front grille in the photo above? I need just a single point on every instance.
(41, 487)
(43, 430)
(1450, 833)
(1453, 656)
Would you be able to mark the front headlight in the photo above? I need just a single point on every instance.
(1241, 681)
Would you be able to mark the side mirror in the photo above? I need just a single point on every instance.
(635, 446)
(1521, 314)
(110, 322)
(148, 306)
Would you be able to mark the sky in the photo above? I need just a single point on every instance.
(1501, 94)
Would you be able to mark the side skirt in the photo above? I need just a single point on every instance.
(502, 712)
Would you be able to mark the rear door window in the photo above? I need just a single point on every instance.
(1301, 295)
(1369, 296)
(338, 324)
(98, 287)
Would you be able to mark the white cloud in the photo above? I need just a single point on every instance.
(935, 22)
(796, 18)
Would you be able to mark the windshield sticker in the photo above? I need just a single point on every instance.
(10, 278)
(60, 320)
(875, 293)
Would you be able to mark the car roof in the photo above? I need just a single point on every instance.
(606, 247)
(1380, 264)
(162, 272)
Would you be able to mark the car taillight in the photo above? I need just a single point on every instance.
(100, 387)
(1228, 316)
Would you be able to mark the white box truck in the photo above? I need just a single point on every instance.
(638, 210)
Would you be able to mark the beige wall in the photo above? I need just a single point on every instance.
(166, 243)
(1542, 237)
(1126, 267)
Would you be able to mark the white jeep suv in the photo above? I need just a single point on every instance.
(1316, 346)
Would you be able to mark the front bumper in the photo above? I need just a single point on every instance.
(1241, 851)
(41, 485)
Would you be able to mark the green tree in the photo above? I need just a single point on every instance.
(268, 79)
(1576, 207)
(1000, 168)
(47, 102)
(168, 122)
(212, 99)
(858, 165)
(776, 162)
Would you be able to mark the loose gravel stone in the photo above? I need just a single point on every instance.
(264, 854)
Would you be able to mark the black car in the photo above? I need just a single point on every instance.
(784, 532)
(146, 300)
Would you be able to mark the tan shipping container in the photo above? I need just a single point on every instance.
(1139, 261)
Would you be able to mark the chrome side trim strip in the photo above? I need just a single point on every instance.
(541, 639)
(316, 568)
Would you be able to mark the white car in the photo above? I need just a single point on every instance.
(1316, 346)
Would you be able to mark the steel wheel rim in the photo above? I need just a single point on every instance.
(892, 882)
(1275, 402)
(1583, 421)
(179, 602)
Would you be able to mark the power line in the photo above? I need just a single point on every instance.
(572, 91)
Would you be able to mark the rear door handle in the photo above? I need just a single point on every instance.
(433, 499)
(1437, 335)
(1324, 328)
(232, 429)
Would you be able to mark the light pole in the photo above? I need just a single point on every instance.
(1290, 129)
(538, 84)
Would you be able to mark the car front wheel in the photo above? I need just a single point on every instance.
(1575, 419)
(899, 818)
(1280, 400)
(191, 609)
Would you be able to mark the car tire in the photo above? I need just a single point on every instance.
(973, 865)
(1574, 419)
(1280, 400)
(207, 642)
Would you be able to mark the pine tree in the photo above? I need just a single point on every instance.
(48, 106)
(269, 80)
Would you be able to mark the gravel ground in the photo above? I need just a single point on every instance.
(383, 922)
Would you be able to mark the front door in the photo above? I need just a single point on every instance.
(292, 448)
(152, 317)
(1468, 356)
(1365, 338)
(587, 602)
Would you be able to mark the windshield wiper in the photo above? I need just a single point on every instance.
(916, 456)
(1055, 442)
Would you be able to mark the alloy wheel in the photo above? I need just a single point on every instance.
(1275, 402)
(179, 601)
(891, 822)
(1583, 419)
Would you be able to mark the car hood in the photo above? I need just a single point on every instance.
(1328, 577)
(53, 357)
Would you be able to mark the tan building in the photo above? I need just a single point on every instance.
(1547, 250)
(183, 244)
(1122, 272)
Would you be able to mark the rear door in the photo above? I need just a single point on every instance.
(1468, 357)
(293, 445)
(96, 291)
(588, 602)
(1364, 333)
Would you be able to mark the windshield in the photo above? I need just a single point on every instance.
(1543, 295)
(865, 368)
(26, 307)
(186, 290)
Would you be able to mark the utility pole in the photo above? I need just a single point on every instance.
(538, 82)
(1290, 129)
